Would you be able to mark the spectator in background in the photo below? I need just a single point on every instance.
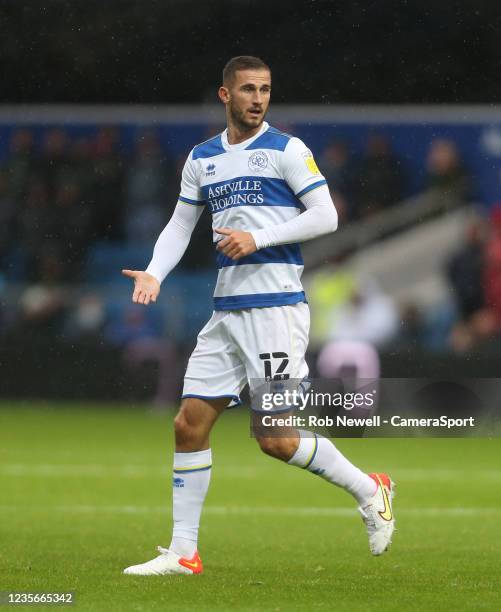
(54, 160)
(134, 332)
(339, 170)
(356, 368)
(369, 316)
(328, 291)
(71, 228)
(42, 311)
(43, 303)
(343, 208)
(492, 269)
(84, 323)
(59, 226)
(35, 224)
(7, 216)
(465, 271)
(412, 328)
(380, 180)
(149, 181)
(132, 325)
(21, 163)
(446, 171)
(106, 192)
(80, 169)
(477, 283)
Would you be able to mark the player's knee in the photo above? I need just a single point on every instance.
(180, 425)
(275, 447)
(186, 432)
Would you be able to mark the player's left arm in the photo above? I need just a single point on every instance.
(320, 217)
(299, 170)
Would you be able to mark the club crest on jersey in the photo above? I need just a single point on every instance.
(210, 170)
(258, 161)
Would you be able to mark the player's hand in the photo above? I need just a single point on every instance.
(146, 286)
(236, 244)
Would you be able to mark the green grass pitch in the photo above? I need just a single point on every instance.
(85, 491)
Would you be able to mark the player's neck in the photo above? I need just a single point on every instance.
(237, 134)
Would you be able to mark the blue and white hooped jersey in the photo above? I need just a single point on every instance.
(248, 186)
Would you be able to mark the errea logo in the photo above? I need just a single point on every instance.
(210, 170)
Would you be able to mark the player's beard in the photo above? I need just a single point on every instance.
(238, 118)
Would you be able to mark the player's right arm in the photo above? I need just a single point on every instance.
(172, 242)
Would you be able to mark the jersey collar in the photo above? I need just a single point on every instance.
(241, 145)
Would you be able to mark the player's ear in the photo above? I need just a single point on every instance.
(224, 94)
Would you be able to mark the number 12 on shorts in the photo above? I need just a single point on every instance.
(279, 372)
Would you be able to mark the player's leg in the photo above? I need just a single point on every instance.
(318, 455)
(190, 481)
(213, 380)
(315, 454)
(373, 492)
(281, 335)
(283, 332)
(191, 469)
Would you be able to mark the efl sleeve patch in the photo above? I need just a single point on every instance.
(310, 162)
(298, 166)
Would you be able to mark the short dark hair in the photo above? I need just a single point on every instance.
(242, 62)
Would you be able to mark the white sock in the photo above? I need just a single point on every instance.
(191, 479)
(319, 456)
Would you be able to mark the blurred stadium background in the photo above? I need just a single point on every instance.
(85, 188)
(100, 104)
(413, 269)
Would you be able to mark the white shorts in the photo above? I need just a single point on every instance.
(240, 346)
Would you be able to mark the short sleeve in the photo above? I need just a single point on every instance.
(190, 185)
(299, 169)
